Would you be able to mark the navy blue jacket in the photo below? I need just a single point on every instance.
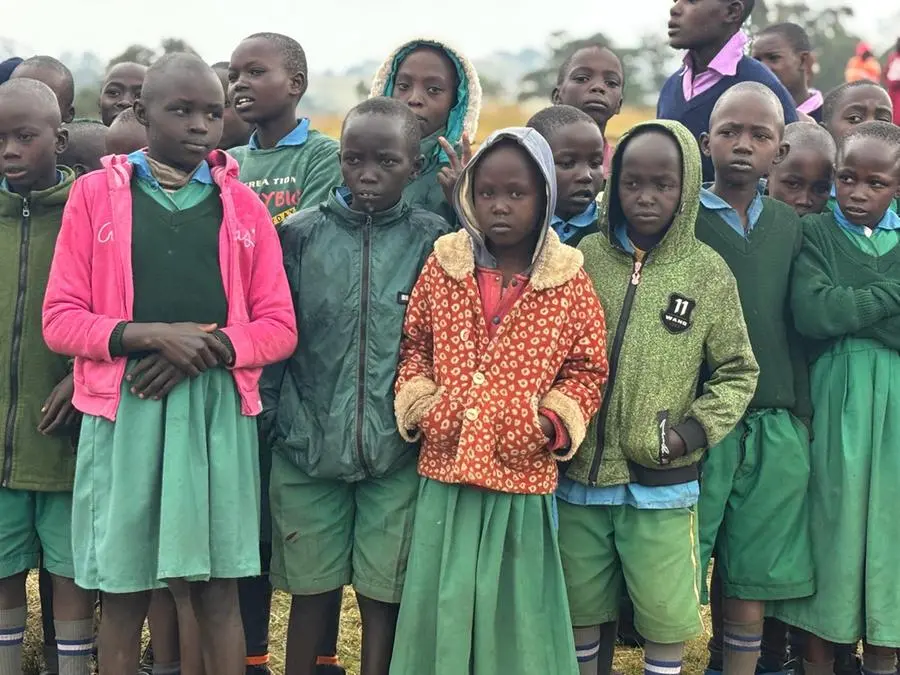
(694, 114)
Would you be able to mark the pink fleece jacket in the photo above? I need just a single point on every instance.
(91, 286)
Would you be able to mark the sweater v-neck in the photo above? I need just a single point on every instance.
(745, 245)
(855, 253)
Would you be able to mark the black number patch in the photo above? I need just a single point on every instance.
(677, 316)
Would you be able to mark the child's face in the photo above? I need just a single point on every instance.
(56, 81)
(745, 139)
(649, 183)
(867, 180)
(121, 89)
(858, 105)
(376, 161)
(260, 87)
(183, 117)
(236, 131)
(593, 84)
(803, 180)
(30, 142)
(695, 24)
(509, 197)
(426, 81)
(578, 156)
(775, 52)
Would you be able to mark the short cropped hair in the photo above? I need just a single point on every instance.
(37, 91)
(391, 107)
(292, 53)
(87, 143)
(58, 67)
(550, 120)
(750, 88)
(796, 35)
(884, 132)
(807, 135)
(566, 65)
(830, 104)
(162, 67)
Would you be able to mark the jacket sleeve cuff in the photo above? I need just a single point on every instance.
(560, 440)
(571, 417)
(412, 400)
(225, 340)
(116, 348)
(693, 434)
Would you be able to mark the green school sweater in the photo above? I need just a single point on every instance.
(175, 261)
(667, 318)
(839, 291)
(28, 369)
(761, 264)
(291, 178)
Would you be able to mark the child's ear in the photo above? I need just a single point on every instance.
(299, 83)
(62, 140)
(70, 115)
(704, 144)
(734, 11)
(140, 112)
(554, 96)
(417, 167)
(783, 151)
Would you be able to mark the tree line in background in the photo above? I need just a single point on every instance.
(646, 65)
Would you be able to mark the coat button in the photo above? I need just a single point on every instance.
(472, 414)
(478, 378)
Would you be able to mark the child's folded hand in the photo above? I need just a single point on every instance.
(190, 347)
(58, 413)
(154, 377)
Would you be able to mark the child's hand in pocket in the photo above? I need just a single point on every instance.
(548, 428)
(58, 412)
(154, 377)
(676, 445)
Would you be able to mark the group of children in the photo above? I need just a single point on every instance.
(497, 393)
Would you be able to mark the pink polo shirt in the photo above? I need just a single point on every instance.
(813, 103)
(724, 64)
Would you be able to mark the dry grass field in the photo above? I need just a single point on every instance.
(497, 116)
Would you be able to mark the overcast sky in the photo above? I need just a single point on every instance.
(344, 32)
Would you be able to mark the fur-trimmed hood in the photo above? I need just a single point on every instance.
(464, 115)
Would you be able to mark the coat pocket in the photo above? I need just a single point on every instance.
(520, 439)
(441, 423)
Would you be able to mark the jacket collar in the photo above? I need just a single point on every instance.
(119, 168)
(337, 206)
(556, 264)
(11, 203)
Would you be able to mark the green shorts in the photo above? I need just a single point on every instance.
(328, 533)
(651, 552)
(754, 512)
(32, 523)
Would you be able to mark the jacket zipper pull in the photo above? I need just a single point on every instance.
(26, 212)
(636, 273)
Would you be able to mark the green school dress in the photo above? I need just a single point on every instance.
(171, 488)
(855, 466)
(483, 573)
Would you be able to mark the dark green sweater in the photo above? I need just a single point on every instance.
(175, 261)
(762, 264)
(840, 291)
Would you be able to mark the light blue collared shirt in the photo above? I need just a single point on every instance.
(566, 229)
(138, 159)
(725, 211)
(891, 221)
(296, 136)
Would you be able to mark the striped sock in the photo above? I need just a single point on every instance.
(167, 668)
(75, 644)
(742, 643)
(877, 664)
(587, 648)
(12, 633)
(662, 659)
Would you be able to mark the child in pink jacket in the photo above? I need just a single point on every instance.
(167, 286)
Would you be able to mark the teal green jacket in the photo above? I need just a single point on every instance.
(330, 408)
(668, 317)
(28, 369)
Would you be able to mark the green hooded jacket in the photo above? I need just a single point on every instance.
(669, 315)
(329, 409)
(425, 191)
(28, 369)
